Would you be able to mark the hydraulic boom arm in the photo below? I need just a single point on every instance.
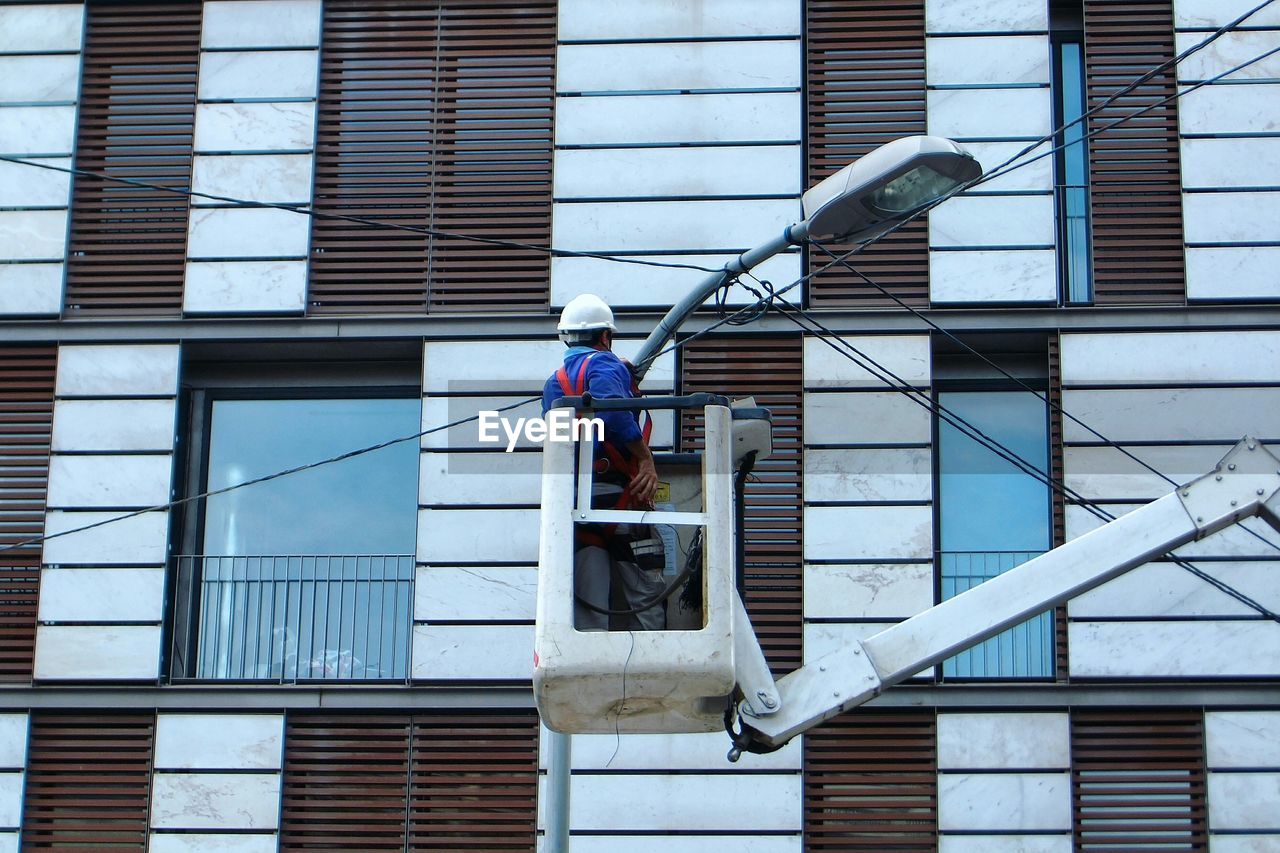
(1245, 483)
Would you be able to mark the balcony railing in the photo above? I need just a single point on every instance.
(296, 618)
(1023, 651)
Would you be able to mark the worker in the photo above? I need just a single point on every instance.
(625, 477)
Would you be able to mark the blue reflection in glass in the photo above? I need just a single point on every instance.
(993, 517)
(1073, 177)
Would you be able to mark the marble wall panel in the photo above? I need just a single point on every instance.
(1004, 844)
(102, 595)
(675, 19)
(868, 533)
(726, 118)
(1004, 801)
(261, 23)
(1171, 414)
(1009, 221)
(1251, 272)
(97, 652)
(474, 594)
(82, 482)
(49, 131)
(866, 417)
(984, 16)
(868, 475)
(1017, 741)
(451, 536)
(461, 479)
(11, 799)
(1170, 357)
(1230, 217)
(13, 741)
(689, 844)
(643, 802)
(1228, 109)
(1229, 162)
(1242, 739)
(1212, 14)
(260, 127)
(525, 364)
(670, 225)
(215, 801)
(41, 27)
(113, 425)
(1019, 275)
(986, 113)
(1226, 52)
(227, 232)
(658, 172)
(678, 66)
(987, 60)
(1173, 649)
(659, 752)
(632, 285)
(219, 741)
(906, 356)
(117, 370)
(272, 178)
(141, 539)
(1243, 801)
(1167, 590)
(190, 842)
(31, 288)
(27, 186)
(870, 591)
(472, 652)
(1036, 175)
(39, 79)
(33, 235)
(232, 287)
(267, 75)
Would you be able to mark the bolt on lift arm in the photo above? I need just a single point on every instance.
(1246, 483)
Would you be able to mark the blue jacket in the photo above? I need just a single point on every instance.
(607, 378)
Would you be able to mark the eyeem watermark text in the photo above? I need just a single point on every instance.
(558, 425)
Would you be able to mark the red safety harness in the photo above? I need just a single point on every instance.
(614, 459)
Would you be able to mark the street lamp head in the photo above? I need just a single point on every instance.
(881, 188)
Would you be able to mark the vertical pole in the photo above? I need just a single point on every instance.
(557, 816)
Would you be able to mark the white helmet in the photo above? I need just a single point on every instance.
(583, 315)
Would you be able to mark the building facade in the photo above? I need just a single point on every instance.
(339, 658)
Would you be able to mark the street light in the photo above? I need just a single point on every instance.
(856, 204)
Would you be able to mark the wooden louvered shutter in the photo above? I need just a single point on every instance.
(770, 370)
(345, 781)
(433, 115)
(474, 782)
(1138, 779)
(1134, 172)
(88, 782)
(373, 155)
(137, 112)
(871, 782)
(26, 426)
(866, 77)
(493, 155)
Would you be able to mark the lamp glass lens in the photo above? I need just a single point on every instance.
(911, 190)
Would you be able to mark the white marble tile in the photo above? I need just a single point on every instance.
(141, 539)
(906, 356)
(11, 799)
(113, 425)
(679, 118)
(97, 652)
(672, 225)
(675, 19)
(985, 60)
(1217, 163)
(80, 482)
(1212, 14)
(865, 417)
(868, 532)
(437, 410)
(1004, 844)
(894, 590)
(13, 741)
(471, 652)
(1165, 589)
(255, 127)
(1018, 275)
(1175, 358)
(1172, 414)
(1228, 109)
(984, 16)
(263, 75)
(1036, 175)
(9, 842)
(1020, 741)
(215, 801)
(512, 366)
(1230, 217)
(31, 289)
(650, 67)
(35, 27)
(1243, 800)
(273, 178)
(1008, 221)
(1173, 649)
(1004, 801)
(868, 475)
(1107, 473)
(687, 844)
(1234, 542)
(50, 131)
(227, 232)
(30, 186)
(1245, 843)
(190, 842)
(989, 113)
(462, 479)
(659, 752)
(755, 803)
(39, 79)
(657, 172)
(231, 287)
(1242, 739)
(219, 741)
(117, 370)
(474, 594)
(1226, 52)
(467, 535)
(261, 23)
(102, 595)
(33, 235)
(622, 284)
(1243, 272)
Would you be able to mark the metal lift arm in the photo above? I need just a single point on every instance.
(1246, 483)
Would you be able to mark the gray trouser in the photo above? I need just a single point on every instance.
(592, 581)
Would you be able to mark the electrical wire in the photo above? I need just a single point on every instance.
(358, 220)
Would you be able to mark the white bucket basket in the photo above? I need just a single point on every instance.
(634, 681)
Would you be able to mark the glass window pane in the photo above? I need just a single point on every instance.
(363, 505)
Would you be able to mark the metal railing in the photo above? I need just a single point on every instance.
(297, 618)
(1023, 651)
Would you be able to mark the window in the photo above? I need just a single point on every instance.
(992, 515)
(1071, 165)
(308, 576)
